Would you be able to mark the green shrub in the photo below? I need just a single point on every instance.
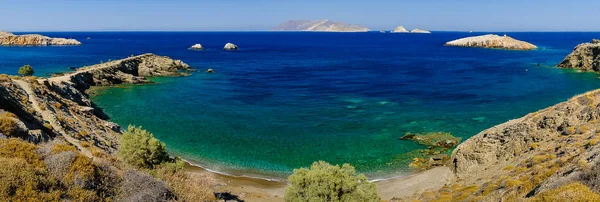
(26, 70)
(23, 182)
(139, 148)
(325, 182)
(8, 126)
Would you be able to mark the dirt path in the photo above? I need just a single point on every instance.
(46, 115)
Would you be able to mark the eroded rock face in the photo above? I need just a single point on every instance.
(585, 57)
(564, 138)
(492, 41)
(9, 39)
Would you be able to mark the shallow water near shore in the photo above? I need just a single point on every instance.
(285, 100)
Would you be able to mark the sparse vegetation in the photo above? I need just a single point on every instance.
(570, 192)
(8, 126)
(140, 148)
(26, 70)
(326, 182)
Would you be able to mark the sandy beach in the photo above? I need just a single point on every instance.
(253, 189)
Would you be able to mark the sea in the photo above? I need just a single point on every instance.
(287, 99)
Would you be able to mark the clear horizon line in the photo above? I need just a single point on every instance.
(373, 30)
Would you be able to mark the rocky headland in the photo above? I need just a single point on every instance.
(492, 41)
(9, 39)
(318, 26)
(585, 57)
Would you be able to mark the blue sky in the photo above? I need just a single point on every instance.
(254, 15)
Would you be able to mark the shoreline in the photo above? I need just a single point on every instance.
(257, 189)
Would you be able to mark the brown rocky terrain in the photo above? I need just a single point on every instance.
(492, 41)
(10, 39)
(585, 57)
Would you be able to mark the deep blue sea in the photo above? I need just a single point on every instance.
(287, 99)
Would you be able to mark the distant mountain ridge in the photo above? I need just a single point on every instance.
(318, 26)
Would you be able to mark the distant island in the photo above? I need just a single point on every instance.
(492, 41)
(10, 39)
(318, 26)
(401, 29)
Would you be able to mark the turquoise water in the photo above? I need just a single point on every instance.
(285, 100)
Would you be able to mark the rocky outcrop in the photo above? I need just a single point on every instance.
(230, 47)
(58, 107)
(544, 149)
(197, 47)
(420, 31)
(9, 39)
(492, 41)
(400, 29)
(129, 70)
(585, 57)
(318, 26)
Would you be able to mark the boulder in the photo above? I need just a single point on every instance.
(197, 47)
(230, 46)
(209, 70)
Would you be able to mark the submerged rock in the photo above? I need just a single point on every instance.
(585, 57)
(400, 29)
(8, 39)
(197, 47)
(230, 46)
(492, 41)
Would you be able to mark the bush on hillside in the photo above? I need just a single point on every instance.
(325, 182)
(139, 186)
(186, 186)
(8, 126)
(139, 148)
(571, 192)
(26, 70)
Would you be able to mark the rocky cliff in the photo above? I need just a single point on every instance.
(59, 108)
(318, 26)
(492, 41)
(9, 39)
(585, 56)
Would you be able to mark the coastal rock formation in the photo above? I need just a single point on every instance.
(543, 150)
(492, 41)
(129, 70)
(400, 29)
(420, 31)
(58, 107)
(9, 39)
(230, 46)
(585, 57)
(318, 26)
(197, 47)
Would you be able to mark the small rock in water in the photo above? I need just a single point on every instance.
(197, 47)
(479, 119)
(209, 70)
(73, 68)
(230, 46)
